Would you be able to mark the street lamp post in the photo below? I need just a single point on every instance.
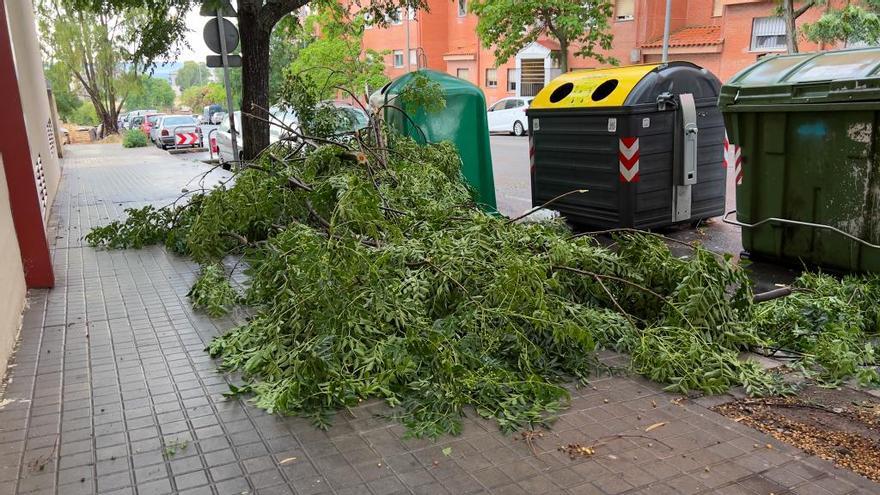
(666, 31)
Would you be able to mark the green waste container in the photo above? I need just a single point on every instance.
(463, 122)
(803, 139)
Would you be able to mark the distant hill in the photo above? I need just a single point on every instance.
(164, 70)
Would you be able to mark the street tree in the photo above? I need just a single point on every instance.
(93, 49)
(332, 56)
(284, 46)
(197, 97)
(851, 22)
(166, 26)
(581, 27)
(192, 74)
(152, 92)
(66, 101)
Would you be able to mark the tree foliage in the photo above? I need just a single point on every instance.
(165, 23)
(93, 49)
(855, 21)
(580, 26)
(192, 74)
(372, 273)
(152, 92)
(197, 97)
(284, 46)
(333, 57)
(66, 100)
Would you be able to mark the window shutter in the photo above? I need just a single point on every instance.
(625, 9)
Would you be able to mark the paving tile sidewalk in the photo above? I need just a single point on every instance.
(111, 392)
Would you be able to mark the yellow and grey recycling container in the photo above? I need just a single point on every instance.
(646, 141)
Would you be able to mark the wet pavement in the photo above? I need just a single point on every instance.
(110, 391)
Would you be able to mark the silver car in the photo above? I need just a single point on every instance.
(169, 125)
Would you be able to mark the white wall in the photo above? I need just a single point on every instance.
(12, 287)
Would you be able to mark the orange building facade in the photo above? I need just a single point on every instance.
(724, 36)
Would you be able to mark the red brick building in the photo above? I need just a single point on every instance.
(723, 36)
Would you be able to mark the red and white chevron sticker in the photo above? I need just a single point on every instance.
(186, 138)
(738, 164)
(628, 156)
(726, 163)
(531, 153)
(733, 158)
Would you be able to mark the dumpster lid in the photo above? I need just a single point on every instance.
(840, 65)
(450, 84)
(592, 87)
(625, 86)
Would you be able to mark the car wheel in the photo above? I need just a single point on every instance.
(518, 129)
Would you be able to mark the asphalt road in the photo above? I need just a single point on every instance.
(510, 166)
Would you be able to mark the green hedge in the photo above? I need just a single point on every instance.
(134, 138)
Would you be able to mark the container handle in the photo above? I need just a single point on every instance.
(725, 219)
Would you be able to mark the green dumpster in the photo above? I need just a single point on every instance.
(463, 122)
(803, 138)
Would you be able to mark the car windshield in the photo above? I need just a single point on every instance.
(169, 121)
(354, 118)
(153, 118)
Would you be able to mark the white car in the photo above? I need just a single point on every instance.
(221, 140)
(509, 115)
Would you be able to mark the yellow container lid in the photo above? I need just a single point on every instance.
(592, 87)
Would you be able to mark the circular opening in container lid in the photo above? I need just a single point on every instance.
(561, 92)
(604, 90)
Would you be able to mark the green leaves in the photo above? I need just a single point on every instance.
(509, 25)
(134, 138)
(212, 291)
(378, 277)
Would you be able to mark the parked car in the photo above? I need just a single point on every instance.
(209, 112)
(509, 115)
(169, 125)
(137, 113)
(222, 139)
(120, 121)
(135, 122)
(150, 121)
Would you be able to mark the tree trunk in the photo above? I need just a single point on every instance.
(254, 81)
(563, 56)
(790, 26)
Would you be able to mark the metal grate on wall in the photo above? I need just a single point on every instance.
(50, 133)
(42, 190)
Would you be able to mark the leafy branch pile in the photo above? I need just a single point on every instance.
(828, 324)
(372, 273)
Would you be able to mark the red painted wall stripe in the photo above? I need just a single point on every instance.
(23, 197)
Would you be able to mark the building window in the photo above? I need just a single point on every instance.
(462, 8)
(717, 8)
(624, 10)
(398, 58)
(512, 76)
(768, 34)
(413, 57)
(491, 78)
(463, 74)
